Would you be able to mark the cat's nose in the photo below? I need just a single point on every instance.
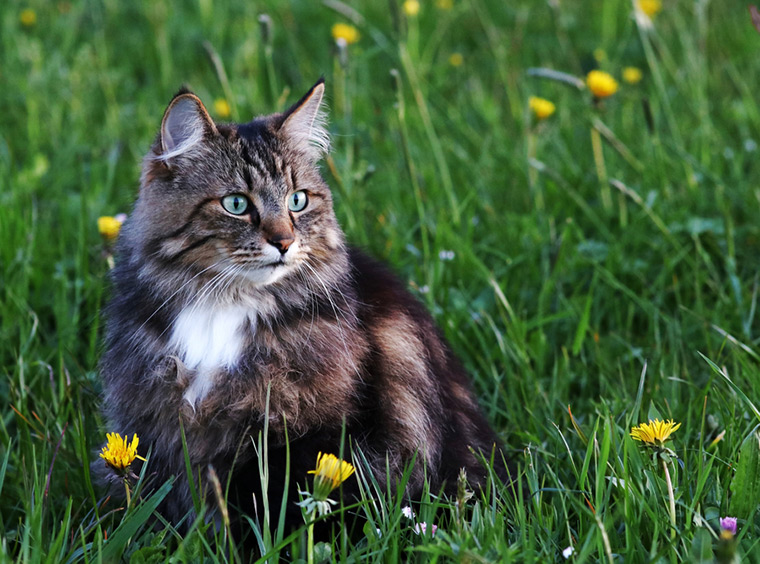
(281, 241)
(279, 233)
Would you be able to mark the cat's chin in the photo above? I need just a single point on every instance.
(266, 274)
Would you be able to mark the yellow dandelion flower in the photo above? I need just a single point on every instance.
(109, 227)
(119, 453)
(346, 32)
(330, 473)
(456, 59)
(601, 84)
(632, 75)
(411, 8)
(28, 17)
(444, 4)
(654, 433)
(650, 7)
(541, 107)
(222, 108)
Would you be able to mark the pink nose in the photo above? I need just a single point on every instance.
(281, 241)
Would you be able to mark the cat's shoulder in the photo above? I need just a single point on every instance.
(370, 274)
(379, 287)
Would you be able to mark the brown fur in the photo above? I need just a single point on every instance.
(326, 343)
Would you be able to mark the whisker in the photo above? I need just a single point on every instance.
(312, 302)
(177, 291)
(337, 290)
(334, 308)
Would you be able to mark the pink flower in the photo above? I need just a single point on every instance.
(421, 529)
(728, 524)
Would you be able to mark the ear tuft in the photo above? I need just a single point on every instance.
(185, 123)
(305, 124)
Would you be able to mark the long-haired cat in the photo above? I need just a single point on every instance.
(236, 298)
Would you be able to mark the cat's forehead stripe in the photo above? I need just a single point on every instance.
(264, 155)
(278, 172)
(258, 147)
(252, 159)
(291, 174)
(247, 178)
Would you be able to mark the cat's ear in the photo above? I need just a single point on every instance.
(304, 124)
(185, 123)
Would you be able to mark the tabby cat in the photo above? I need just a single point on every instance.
(236, 300)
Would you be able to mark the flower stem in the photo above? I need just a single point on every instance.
(129, 494)
(532, 172)
(310, 539)
(601, 169)
(672, 500)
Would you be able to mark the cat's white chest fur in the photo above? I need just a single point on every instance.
(209, 338)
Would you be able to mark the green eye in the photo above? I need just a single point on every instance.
(236, 204)
(297, 201)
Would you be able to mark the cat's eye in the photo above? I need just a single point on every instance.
(297, 201)
(236, 204)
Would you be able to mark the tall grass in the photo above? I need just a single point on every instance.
(626, 295)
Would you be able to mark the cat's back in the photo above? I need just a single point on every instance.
(400, 323)
(423, 392)
(394, 316)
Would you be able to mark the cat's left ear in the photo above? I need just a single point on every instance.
(304, 124)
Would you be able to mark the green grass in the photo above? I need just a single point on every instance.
(611, 298)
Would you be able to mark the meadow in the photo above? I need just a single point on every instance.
(594, 268)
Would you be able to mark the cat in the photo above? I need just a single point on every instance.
(236, 302)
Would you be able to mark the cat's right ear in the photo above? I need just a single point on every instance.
(185, 124)
(304, 124)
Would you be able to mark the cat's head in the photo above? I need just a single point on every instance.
(241, 203)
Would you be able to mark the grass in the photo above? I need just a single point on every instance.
(622, 283)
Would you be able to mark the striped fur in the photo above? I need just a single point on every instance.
(209, 317)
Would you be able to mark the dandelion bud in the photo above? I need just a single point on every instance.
(601, 84)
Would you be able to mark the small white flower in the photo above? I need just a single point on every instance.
(407, 512)
(568, 552)
(446, 255)
(750, 145)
